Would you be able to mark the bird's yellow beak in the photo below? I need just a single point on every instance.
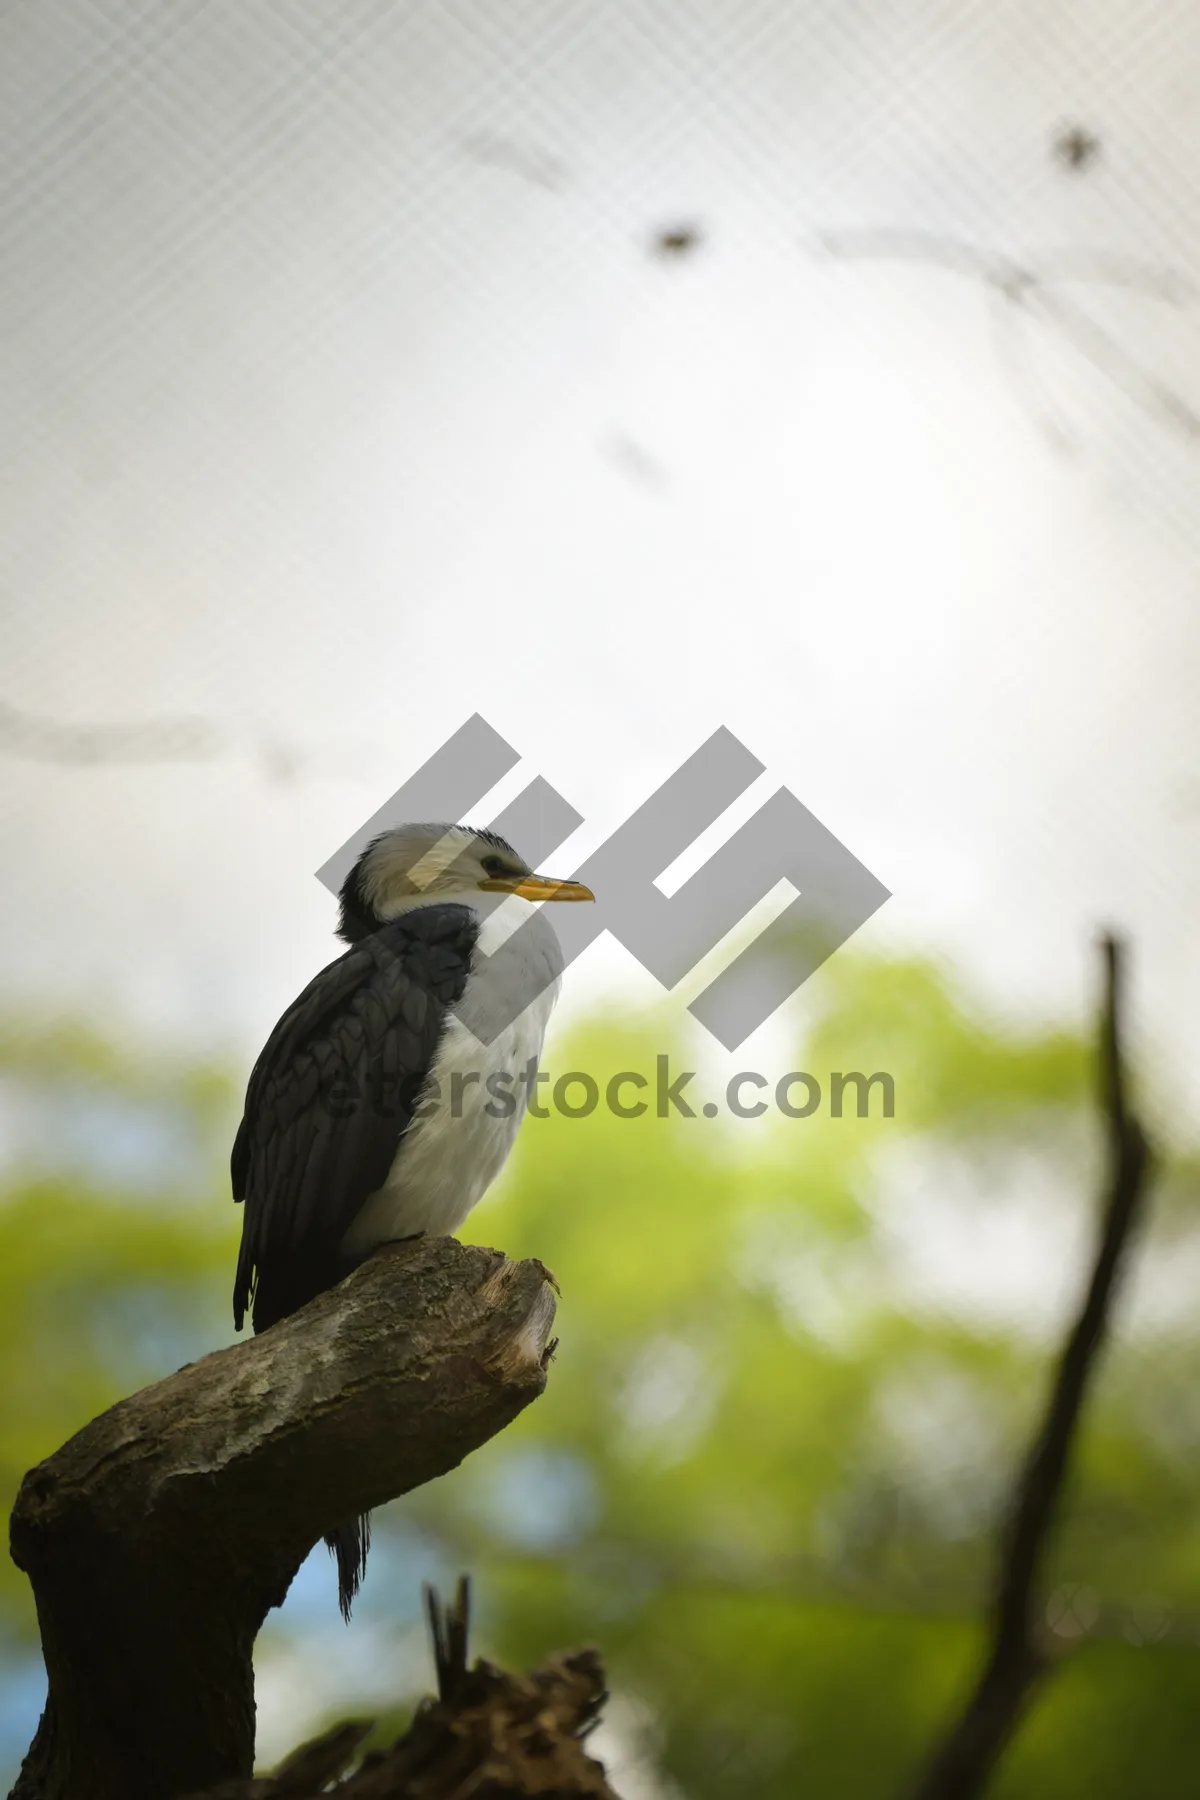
(537, 887)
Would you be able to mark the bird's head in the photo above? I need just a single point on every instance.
(420, 865)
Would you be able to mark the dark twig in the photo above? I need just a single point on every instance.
(489, 1735)
(449, 1630)
(1016, 1658)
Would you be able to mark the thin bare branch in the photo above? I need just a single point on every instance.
(1017, 1654)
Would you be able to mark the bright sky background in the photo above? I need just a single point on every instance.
(343, 395)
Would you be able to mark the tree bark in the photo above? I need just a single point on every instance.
(160, 1535)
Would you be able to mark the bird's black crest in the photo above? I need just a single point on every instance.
(357, 919)
(496, 841)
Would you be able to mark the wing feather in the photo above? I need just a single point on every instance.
(330, 1098)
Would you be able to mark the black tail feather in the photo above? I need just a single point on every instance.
(348, 1544)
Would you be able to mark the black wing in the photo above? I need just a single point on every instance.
(330, 1098)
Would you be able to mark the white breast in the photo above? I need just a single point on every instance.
(448, 1159)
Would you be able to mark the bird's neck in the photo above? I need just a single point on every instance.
(499, 915)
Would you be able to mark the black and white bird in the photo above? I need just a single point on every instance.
(439, 1004)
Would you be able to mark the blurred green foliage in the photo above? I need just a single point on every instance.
(766, 1471)
(112, 1268)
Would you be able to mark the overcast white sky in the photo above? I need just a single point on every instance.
(341, 395)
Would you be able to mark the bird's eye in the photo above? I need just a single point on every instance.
(493, 865)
